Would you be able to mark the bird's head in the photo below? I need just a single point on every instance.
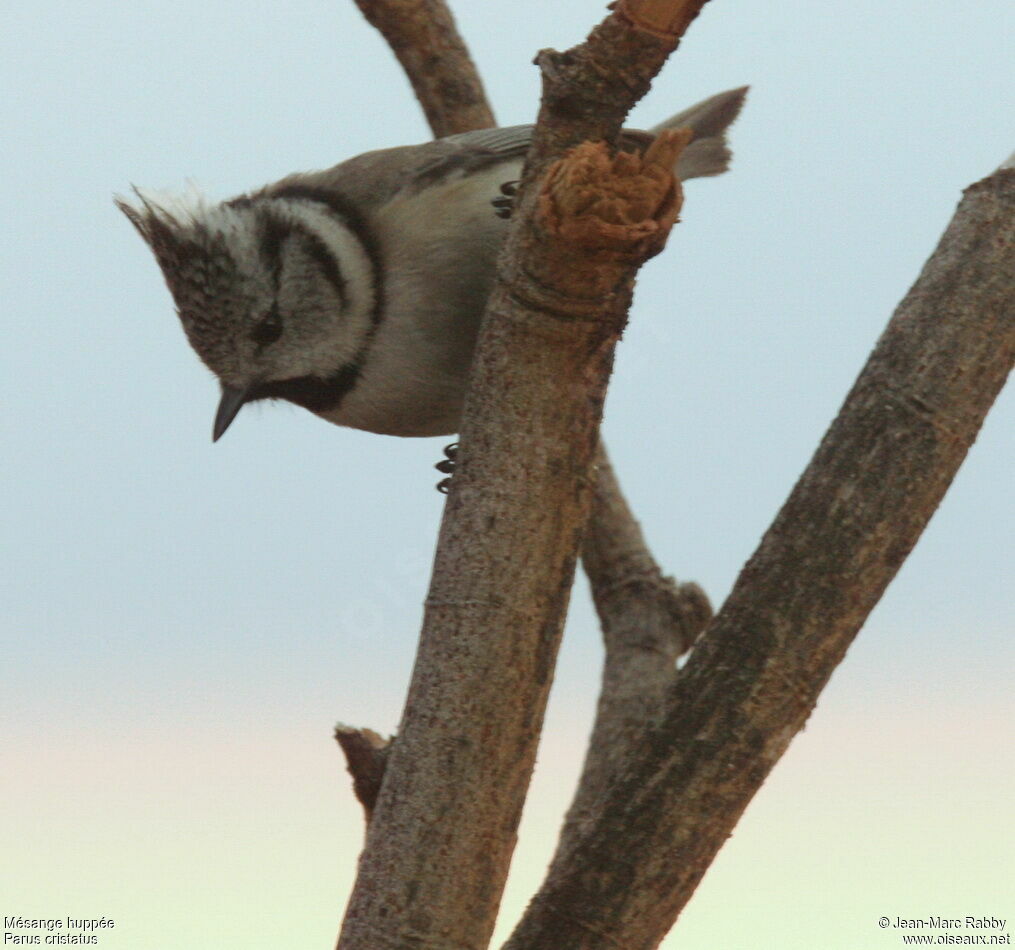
(276, 293)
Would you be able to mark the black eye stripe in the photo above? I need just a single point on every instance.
(274, 234)
(274, 231)
(318, 251)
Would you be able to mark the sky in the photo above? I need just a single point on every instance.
(183, 623)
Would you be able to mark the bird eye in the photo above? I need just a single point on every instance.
(269, 329)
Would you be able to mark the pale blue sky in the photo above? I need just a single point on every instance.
(162, 593)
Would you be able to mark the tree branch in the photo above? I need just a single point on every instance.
(647, 619)
(648, 622)
(423, 35)
(848, 525)
(439, 845)
(366, 757)
(588, 91)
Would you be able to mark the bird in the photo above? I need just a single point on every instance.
(357, 292)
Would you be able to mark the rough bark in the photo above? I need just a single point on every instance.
(634, 850)
(423, 35)
(848, 525)
(366, 757)
(443, 831)
(648, 621)
(588, 91)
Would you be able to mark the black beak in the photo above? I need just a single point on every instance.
(229, 405)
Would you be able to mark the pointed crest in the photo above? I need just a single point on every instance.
(202, 250)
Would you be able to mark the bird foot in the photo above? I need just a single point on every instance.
(505, 204)
(447, 467)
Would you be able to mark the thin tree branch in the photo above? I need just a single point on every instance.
(847, 527)
(648, 621)
(423, 35)
(439, 845)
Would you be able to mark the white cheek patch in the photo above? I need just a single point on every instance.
(344, 332)
(352, 260)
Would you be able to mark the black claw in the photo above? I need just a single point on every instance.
(504, 206)
(447, 467)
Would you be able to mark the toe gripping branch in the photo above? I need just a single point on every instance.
(447, 467)
(505, 204)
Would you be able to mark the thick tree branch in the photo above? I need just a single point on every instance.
(648, 620)
(439, 845)
(588, 91)
(423, 35)
(848, 525)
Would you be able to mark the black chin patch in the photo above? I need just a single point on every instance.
(311, 392)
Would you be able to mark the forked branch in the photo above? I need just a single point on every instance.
(648, 620)
(443, 831)
(847, 527)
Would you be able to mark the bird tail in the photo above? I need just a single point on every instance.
(708, 153)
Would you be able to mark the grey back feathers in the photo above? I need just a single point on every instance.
(356, 292)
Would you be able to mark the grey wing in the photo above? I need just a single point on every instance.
(371, 179)
(507, 141)
(473, 151)
(374, 178)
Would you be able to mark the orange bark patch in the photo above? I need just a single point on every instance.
(615, 202)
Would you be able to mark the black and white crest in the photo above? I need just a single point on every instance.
(276, 294)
